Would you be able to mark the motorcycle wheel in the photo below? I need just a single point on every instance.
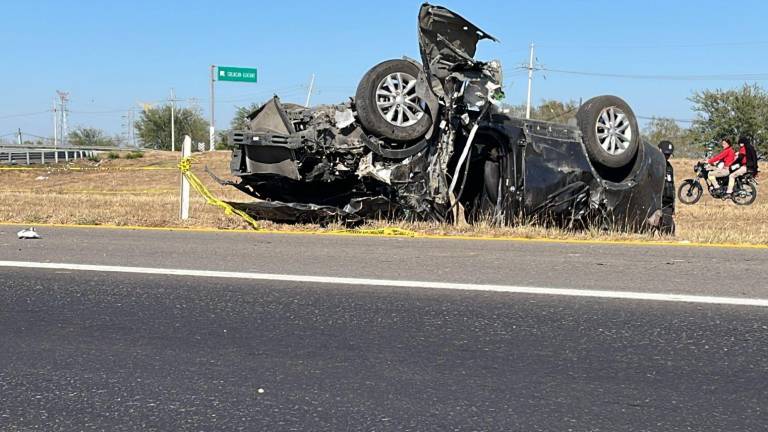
(746, 195)
(690, 192)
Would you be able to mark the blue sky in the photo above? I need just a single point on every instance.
(112, 55)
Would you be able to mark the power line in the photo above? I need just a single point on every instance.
(720, 77)
(98, 112)
(656, 46)
(37, 136)
(665, 118)
(291, 90)
(24, 115)
(249, 96)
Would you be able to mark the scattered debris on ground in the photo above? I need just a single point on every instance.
(28, 234)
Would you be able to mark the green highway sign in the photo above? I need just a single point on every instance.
(227, 73)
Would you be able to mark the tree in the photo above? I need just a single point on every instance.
(731, 113)
(555, 111)
(154, 126)
(89, 137)
(548, 110)
(240, 120)
(659, 129)
(222, 140)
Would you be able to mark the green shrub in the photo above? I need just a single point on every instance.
(134, 155)
(113, 155)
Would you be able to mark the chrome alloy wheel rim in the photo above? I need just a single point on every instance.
(614, 131)
(397, 101)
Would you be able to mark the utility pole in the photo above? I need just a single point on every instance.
(128, 125)
(530, 81)
(63, 98)
(212, 136)
(19, 137)
(55, 126)
(173, 124)
(132, 130)
(309, 93)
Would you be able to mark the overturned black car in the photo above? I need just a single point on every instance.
(430, 140)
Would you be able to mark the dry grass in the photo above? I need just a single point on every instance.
(718, 221)
(112, 196)
(150, 198)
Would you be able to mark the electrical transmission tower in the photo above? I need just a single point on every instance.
(128, 133)
(63, 114)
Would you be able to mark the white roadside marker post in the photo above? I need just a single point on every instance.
(186, 151)
(212, 136)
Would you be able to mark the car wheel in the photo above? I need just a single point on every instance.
(690, 192)
(609, 129)
(387, 104)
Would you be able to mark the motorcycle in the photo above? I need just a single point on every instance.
(691, 190)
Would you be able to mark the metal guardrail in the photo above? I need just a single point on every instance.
(12, 154)
(29, 156)
(51, 148)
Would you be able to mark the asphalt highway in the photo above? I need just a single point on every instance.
(684, 270)
(110, 350)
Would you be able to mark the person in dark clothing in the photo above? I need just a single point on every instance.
(667, 225)
(746, 162)
(750, 155)
(739, 166)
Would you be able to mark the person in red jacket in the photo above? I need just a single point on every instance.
(722, 162)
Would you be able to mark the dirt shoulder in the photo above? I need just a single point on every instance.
(144, 192)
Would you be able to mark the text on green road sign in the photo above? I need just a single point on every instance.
(227, 73)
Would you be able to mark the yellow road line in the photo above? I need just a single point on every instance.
(352, 233)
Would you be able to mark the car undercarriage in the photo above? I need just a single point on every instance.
(430, 140)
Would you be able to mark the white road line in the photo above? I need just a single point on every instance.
(622, 295)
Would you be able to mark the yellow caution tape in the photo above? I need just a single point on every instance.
(186, 170)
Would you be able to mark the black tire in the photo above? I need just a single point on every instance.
(690, 192)
(746, 195)
(625, 134)
(373, 118)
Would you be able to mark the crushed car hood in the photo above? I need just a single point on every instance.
(447, 41)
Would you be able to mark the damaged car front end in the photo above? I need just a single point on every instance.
(430, 140)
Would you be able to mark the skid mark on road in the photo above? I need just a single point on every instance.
(512, 289)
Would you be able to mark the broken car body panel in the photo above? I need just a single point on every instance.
(322, 163)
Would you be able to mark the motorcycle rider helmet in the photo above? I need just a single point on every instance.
(666, 148)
